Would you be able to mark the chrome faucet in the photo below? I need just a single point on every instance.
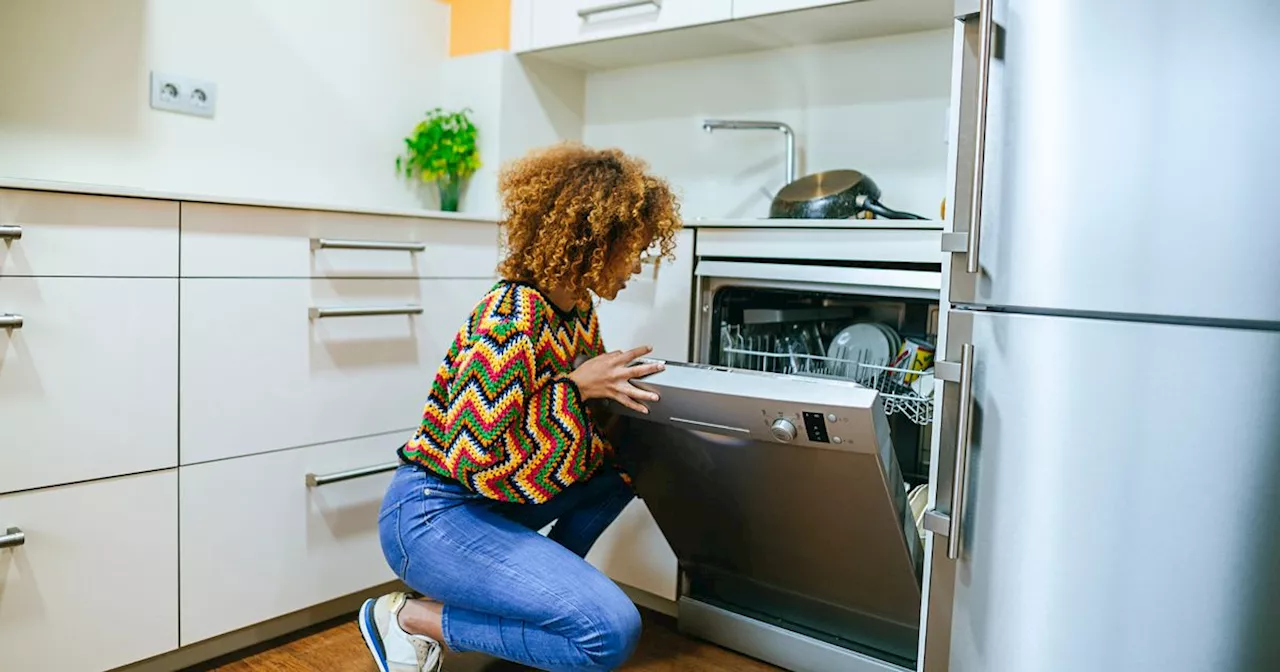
(710, 125)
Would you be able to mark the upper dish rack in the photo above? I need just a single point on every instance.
(904, 391)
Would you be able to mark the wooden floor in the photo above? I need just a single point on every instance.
(338, 647)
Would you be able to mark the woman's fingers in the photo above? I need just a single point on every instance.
(642, 370)
(637, 393)
(636, 353)
(630, 403)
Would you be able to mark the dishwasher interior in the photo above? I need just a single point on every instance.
(884, 343)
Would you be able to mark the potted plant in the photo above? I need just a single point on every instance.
(442, 149)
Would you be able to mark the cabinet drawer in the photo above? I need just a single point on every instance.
(46, 233)
(256, 242)
(94, 585)
(259, 373)
(89, 382)
(562, 22)
(258, 542)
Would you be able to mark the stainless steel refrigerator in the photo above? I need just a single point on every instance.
(1109, 433)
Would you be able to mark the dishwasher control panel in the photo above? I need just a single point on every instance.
(815, 426)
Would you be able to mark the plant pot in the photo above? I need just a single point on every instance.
(450, 192)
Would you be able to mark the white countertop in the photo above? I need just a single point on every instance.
(694, 222)
(133, 192)
(715, 222)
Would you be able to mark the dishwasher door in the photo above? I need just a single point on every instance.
(783, 502)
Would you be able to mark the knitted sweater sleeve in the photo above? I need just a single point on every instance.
(518, 438)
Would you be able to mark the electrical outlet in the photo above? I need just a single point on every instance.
(184, 95)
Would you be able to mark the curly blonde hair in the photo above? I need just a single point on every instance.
(578, 218)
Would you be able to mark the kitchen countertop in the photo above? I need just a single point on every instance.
(721, 223)
(693, 222)
(133, 192)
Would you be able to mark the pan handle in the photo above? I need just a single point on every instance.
(872, 205)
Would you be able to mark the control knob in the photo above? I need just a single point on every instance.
(783, 430)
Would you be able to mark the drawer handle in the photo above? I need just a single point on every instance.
(12, 538)
(587, 12)
(317, 480)
(10, 231)
(332, 244)
(320, 311)
(10, 321)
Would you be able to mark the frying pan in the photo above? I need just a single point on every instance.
(833, 194)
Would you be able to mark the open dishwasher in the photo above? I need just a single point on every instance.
(786, 465)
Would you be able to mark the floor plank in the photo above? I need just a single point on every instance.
(337, 647)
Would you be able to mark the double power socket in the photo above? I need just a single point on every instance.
(185, 95)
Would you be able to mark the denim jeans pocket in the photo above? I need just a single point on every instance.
(434, 486)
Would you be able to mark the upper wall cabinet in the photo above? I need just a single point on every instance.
(592, 35)
(562, 22)
(745, 8)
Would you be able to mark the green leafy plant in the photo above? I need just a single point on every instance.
(442, 149)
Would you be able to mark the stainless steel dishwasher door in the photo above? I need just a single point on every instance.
(782, 500)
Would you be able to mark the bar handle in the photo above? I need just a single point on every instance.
(10, 321)
(12, 538)
(587, 12)
(319, 312)
(334, 244)
(986, 29)
(10, 231)
(948, 525)
(317, 480)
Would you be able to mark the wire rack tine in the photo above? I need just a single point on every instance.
(896, 393)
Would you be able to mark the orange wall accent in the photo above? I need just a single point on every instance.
(479, 25)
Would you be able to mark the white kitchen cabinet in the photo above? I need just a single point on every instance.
(259, 542)
(743, 9)
(633, 552)
(46, 233)
(261, 370)
(94, 583)
(656, 307)
(558, 23)
(254, 242)
(652, 311)
(89, 381)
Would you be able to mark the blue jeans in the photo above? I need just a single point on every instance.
(508, 591)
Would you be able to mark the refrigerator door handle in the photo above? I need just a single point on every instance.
(948, 524)
(986, 28)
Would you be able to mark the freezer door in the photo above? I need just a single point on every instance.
(1128, 158)
(783, 501)
(1119, 498)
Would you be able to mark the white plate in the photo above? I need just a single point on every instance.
(895, 339)
(865, 343)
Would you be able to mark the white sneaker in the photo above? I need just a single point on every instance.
(394, 649)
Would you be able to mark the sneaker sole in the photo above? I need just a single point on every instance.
(369, 631)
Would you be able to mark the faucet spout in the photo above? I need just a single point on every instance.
(710, 125)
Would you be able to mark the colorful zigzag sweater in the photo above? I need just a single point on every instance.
(502, 416)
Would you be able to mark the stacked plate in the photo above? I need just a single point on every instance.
(870, 343)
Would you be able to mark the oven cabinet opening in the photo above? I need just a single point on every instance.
(886, 343)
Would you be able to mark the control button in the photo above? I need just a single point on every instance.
(783, 430)
(831, 417)
(837, 440)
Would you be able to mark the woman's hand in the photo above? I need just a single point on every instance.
(609, 377)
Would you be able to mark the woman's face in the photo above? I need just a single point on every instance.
(617, 283)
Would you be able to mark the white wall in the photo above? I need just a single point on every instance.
(878, 106)
(516, 107)
(314, 95)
